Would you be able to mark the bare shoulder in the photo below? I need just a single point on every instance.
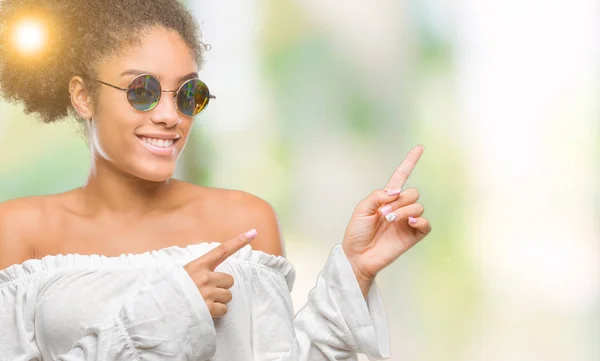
(19, 221)
(247, 211)
(236, 212)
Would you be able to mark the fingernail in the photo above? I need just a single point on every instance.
(412, 220)
(251, 233)
(385, 210)
(393, 192)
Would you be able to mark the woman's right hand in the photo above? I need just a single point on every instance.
(214, 286)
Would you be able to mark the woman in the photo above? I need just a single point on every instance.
(135, 265)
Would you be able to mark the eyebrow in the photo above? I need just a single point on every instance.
(140, 72)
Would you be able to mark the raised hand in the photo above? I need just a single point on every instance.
(214, 286)
(385, 224)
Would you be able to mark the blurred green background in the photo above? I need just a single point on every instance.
(318, 102)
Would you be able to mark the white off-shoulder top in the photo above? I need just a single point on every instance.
(145, 307)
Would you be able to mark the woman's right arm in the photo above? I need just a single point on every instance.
(166, 320)
(17, 299)
(170, 318)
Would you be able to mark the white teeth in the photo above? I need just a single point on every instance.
(163, 143)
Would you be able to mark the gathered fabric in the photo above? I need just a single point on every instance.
(145, 307)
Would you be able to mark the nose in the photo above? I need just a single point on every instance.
(165, 111)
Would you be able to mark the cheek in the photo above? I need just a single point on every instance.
(186, 127)
(107, 140)
(112, 133)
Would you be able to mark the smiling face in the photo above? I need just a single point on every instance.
(144, 145)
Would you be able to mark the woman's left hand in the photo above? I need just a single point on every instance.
(385, 224)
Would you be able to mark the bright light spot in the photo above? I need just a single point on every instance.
(29, 35)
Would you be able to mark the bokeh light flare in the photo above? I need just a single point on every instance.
(29, 35)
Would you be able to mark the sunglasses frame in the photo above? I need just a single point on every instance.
(175, 92)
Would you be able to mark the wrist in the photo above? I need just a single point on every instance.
(364, 284)
(364, 281)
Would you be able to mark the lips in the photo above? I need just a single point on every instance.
(163, 145)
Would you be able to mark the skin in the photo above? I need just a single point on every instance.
(130, 204)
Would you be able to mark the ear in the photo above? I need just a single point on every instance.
(81, 99)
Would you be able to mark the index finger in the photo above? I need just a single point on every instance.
(216, 256)
(405, 168)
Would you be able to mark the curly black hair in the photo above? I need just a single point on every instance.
(81, 33)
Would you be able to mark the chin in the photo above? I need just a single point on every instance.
(157, 177)
(155, 173)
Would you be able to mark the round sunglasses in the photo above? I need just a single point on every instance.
(144, 93)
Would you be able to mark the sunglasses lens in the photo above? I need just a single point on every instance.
(144, 92)
(192, 97)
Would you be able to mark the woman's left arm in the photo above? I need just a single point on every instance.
(345, 314)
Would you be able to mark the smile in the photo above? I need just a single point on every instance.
(162, 143)
(158, 146)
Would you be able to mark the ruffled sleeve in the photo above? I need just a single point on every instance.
(337, 321)
(18, 293)
(335, 324)
(166, 319)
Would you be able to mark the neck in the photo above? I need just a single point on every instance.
(108, 189)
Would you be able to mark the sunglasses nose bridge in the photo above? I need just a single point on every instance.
(165, 113)
(174, 96)
(171, 91)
